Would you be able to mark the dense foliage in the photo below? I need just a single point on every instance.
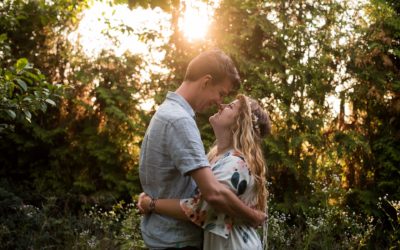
(71, 126)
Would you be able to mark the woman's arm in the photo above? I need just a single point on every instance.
(168, 207)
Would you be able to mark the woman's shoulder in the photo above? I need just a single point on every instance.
(237, 154)
(234, 155)
(232, 160)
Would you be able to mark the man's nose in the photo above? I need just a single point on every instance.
(221, 106)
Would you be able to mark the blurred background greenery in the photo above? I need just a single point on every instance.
(80, 80)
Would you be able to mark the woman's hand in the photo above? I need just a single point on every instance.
(144, 203)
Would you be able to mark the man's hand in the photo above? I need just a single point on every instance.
(260, 218)
(144, 203)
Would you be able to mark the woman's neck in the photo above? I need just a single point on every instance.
(224, 140)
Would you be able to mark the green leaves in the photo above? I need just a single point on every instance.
(22, 64)
(28, 115)
(51, 102)
(11, 113)
(3, 37)
(24, 91)
(22, 84)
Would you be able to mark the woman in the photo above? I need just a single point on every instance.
(236, 161)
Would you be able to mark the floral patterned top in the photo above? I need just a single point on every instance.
(232, 171)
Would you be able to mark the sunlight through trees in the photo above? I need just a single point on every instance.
(80, 80)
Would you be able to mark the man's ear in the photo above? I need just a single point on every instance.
(207, 79)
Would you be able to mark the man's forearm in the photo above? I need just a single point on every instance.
(227, 202)
(224, 200)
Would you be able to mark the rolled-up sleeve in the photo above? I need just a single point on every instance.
(185, 146)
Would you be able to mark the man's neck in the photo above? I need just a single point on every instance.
(185, 91)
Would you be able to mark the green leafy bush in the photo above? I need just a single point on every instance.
(24, 226)
(23, 91)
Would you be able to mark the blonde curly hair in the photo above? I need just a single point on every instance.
(252, 125)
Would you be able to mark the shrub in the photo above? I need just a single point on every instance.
(24, 226)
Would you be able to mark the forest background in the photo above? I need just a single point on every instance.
(73, 113)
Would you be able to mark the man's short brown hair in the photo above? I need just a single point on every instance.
(215, 63)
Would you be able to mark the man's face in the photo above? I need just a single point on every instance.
(213, 94)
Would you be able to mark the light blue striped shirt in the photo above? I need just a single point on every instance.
(171, 148)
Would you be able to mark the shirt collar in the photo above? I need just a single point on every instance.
(181, 101)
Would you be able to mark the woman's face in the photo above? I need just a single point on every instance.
(226, 116)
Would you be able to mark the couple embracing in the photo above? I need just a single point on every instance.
(196, 201)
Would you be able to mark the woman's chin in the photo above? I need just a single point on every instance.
(212, 118)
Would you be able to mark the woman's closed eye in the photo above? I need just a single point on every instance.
(230, 105)
(224, 106)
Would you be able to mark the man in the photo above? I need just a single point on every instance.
(172, 158)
